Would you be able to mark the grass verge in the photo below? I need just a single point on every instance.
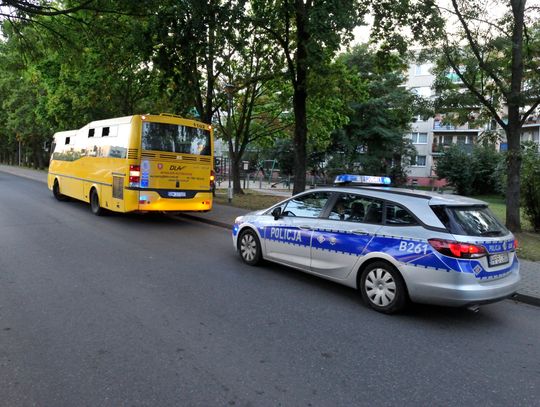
(251, 200)
(528, 241)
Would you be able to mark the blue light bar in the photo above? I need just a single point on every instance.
(362, 179)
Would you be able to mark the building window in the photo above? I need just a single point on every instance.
(419, 138)
(464, 139)
(419, 161)
(422, 69)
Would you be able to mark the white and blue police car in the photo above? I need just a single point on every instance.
(392, 244)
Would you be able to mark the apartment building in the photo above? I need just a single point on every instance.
(430, 136)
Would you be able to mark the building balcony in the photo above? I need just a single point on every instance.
(438, 149)
(438, 125)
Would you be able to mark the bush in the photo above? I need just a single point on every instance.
(530, 185)
(470, 174)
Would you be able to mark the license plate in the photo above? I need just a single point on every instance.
(176, 194)
(499, 258)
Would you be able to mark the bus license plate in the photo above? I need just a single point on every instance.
(499, 258)
(177, 194)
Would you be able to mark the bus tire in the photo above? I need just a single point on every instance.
(382, 288)
(56, 191)
(94, 203)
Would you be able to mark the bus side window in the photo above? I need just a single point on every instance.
(67, 140)
(105, 132)
(91, 132)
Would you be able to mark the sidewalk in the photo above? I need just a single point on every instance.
(224, 215)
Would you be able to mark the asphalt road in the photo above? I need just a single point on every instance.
(132, 310)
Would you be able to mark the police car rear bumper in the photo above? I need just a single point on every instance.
(458, 289)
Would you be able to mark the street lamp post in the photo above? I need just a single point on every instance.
(229, 88)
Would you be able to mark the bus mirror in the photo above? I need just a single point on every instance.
(276, 213)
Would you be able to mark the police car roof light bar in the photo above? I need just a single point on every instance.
(362, 179)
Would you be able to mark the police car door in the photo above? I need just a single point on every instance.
(288, 239)
(344, 233)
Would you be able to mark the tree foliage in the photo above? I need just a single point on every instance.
(530, 185)
(493, 57)
(470, 173)
(373, 140)
(94, 70)
(308, 33)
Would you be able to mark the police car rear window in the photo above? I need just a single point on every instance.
(470, 220)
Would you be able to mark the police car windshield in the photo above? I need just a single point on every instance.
(470, 221)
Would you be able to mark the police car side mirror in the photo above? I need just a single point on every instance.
(276, 213)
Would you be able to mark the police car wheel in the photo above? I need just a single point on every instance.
(249, 247)
(382, 288)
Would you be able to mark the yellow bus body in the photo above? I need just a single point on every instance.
(88, 160)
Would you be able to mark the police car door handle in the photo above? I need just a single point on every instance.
(305, 227)
(360, 232)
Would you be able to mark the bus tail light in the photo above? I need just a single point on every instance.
(212, 180)
(458, 249)
(134, 175)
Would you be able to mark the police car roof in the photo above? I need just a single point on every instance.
(434, 198)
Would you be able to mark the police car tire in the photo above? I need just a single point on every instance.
(249, 247)
(94, 203)
(391, 295)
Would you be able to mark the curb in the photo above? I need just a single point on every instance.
(527, 299)
(204, 220)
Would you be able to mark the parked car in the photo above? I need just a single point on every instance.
(392, 244)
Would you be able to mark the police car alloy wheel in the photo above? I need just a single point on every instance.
(382, 288)
(249, 247)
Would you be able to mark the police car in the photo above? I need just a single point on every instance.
(392, 244)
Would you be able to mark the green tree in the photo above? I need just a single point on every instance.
(190, 42)
(470, 173)
(308, 33)
(493, 56)
(373, 141)
(531, 184)
(60, 73)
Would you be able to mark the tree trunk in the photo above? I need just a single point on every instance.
(235, 169)
(513, 130)
(513, 163)
(300, 98)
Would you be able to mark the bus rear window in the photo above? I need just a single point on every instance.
(470, 220)
(175, 139)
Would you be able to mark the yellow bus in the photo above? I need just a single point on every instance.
(135, 163)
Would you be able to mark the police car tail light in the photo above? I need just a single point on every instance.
(457, 249)
(515, 244)
(134, 175)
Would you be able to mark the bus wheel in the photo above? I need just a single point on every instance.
(94, 203)
(56, 191)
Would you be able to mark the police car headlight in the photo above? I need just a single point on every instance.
(239, 220)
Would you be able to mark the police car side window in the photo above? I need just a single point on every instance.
(307, 206)
(357, 208)
(396, 215)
